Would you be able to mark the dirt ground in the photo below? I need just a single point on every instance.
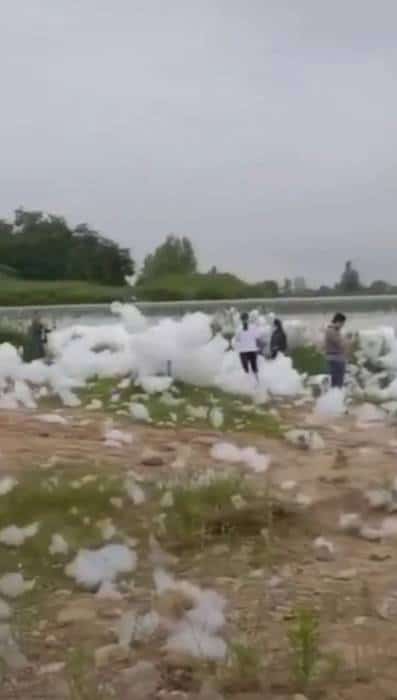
(349, 591)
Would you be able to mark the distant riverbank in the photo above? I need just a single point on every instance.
(362, 310)
(20, 293)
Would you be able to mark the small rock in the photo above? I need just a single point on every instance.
(152, 459)
(333, 479)
(341, 461)
(109, 654)
(205, 440)
(173, 604)
(5, 610)
(75, 613)
(220, 550)
(359, 621)
(50, 640)
(351, 523)
(48, 669)
(346, 575)
(209, 692)
(324, 550)
(380, 555)
(60, 689)
(9, 650)
(141, 680)
(371, 534)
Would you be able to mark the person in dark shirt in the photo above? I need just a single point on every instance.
(36, 337)
(335, 350)
(278, 342)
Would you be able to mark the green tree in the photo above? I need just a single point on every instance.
(380, 287)
(43, 247)
(175, 256)
(350, 280)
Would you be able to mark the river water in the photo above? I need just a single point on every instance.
(362, 312)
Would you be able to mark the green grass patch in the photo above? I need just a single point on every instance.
(200, 287)
(55, 502)
(203, 513)
(12, 333)
(17, 292)
(186, 405)
(308, 359)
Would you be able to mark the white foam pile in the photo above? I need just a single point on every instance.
(197, 632)
(367, 413)
(331, 404)
(249, 456)
(133, 347)
(187, 347)
(91, 568)
(13, 585)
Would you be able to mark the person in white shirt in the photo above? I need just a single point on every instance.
(245, 344)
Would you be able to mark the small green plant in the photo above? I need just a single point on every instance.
(307, 359)
(203, 512)
(304, 643)
(243, 671)
(81, 677)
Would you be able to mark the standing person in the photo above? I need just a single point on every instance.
(245, 343)
(34, 348)
(336, 351)
(278, 341)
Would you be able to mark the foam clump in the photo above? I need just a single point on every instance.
(115, 437)
(195, 631)
(91, 568)
(58, 546)
(14, 536)
(13, 585)
(140, 412)
(54, 418)
(155, 385)
(249, 456)
(331, 404)
(367, 413)
(7, 484)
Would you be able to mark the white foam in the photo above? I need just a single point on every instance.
(91, 568)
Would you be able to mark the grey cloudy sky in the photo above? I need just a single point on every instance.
(264, 129)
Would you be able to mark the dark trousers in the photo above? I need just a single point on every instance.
(337, 369)
(249, 360)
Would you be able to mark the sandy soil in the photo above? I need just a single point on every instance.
(348, 591)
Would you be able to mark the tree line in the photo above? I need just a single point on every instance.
(38, 246)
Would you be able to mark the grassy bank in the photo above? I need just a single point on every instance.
(15, 292)
(200, 287)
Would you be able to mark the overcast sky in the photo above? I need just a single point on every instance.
(266, 130)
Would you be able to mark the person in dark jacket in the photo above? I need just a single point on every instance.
(278, 342)
(34, 348)
(335, 349)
